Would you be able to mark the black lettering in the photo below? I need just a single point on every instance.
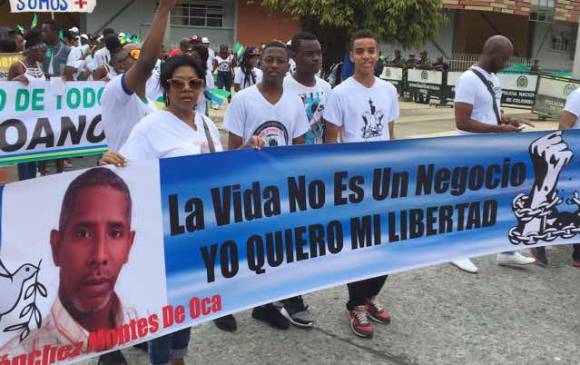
(489, 213)
(358, 193)
(430, 221)
(300, 241)
(175, 226)
(253, 202)
(229, 259)
(221, 205)
(416, 225)
(42, 134)
(316, 194)
(316, 240)
(272, 201)
(445, 219)
(476, 177)
(339, 188)
(209, 260)
(473, 216)
(67, 127)
(194, 221)
(91, 136)
(334, 237)
(424, 180)
(361, 232)
(297, 194)
(20, 140)
(255, 253)
(275, 248)
(442, 180)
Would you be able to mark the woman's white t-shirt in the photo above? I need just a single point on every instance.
(162, 134)
(362, 113)
(250, 114)
(240, 77)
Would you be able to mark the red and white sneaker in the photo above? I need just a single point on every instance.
(359, 322)
(377, 313)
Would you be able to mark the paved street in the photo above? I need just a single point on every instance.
(440, 315)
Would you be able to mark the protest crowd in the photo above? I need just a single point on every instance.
(157, 104)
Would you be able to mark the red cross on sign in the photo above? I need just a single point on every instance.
(81, 3)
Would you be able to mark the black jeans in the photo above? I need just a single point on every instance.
(360, 292)
(576, 253)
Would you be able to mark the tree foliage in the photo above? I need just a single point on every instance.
(410, 22)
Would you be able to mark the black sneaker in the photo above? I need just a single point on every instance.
(143, 346)
(227, 323)
(112, 358)
(298, 315)
(540, 255)
(272, 314)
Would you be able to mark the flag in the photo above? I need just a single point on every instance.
(20, 28)
(34, 21)
(218, 96)
(239, 49)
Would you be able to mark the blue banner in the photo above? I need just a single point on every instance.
(196, 238)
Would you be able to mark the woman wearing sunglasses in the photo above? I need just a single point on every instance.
(176, 131)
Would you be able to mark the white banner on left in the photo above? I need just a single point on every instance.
(52, 6)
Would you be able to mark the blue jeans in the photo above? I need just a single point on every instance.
(26, 170)
(173, 346)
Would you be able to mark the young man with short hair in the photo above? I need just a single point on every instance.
(277, 117)
(363, 108)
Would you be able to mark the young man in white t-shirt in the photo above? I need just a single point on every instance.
(478, 110)
(124, 102)
(278, 118)
(363, 108)
(568, 120)
(311, 89)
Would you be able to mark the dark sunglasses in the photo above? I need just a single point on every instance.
(179, 84)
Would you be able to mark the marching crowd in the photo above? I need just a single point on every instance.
(279, 100)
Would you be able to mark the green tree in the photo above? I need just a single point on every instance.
(410, 22)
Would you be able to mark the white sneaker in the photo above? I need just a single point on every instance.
(466, 265)
(514, 259)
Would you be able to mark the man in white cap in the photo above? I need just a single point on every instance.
(211, 53)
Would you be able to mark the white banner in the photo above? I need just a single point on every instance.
(52, 6)
(50, 119)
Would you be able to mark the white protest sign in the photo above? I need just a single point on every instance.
(52, 6)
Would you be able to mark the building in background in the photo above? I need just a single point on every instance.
(222, 21)
(543, 29)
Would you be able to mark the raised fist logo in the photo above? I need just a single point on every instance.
(537, 213)
(549, 156)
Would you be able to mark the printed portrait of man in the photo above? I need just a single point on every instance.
(91, 245)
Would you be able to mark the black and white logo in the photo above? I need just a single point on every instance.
(373, 121)
(539, 217)
(273, 133)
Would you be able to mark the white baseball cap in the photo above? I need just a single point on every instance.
(205, 40)
(74, 30)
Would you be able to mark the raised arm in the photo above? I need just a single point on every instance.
(137, 76)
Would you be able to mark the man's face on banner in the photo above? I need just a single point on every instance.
(92, 248)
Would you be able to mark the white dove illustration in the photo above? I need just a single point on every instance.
(11, 286)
